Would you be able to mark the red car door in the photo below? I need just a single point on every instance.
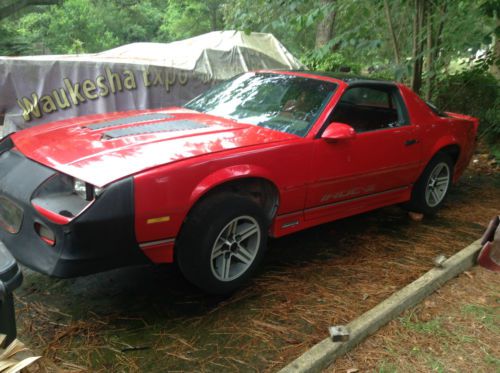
(375, 168)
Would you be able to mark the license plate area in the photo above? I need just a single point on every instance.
(11, 215)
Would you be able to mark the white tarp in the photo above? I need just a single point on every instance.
(40, 89)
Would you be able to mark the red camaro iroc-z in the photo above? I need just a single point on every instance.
(204, 185)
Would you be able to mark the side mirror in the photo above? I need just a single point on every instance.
(338, 132)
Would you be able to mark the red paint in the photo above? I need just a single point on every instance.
(489, 256)
(52, 216)
(160, 253)
(485, 257)
(317, 180)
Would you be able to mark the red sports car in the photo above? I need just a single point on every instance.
(265, 153)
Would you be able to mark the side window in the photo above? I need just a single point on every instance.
(371, 108)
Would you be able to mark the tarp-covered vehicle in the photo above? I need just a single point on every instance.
(40, 89)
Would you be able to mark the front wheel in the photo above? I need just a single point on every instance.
(222, 243)
(431, 189)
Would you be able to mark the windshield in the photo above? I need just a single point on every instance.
(280, 102)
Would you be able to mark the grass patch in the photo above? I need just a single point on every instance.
(491, 360)
(486, 315)
(386, 367)
(435, 364)
(434, 326)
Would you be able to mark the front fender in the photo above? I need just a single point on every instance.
(229, 174)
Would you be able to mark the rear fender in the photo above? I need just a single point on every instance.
(442, 143)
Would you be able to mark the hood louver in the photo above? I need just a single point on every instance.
(168, 126)
(129, 120)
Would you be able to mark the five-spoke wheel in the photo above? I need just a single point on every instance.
(235, 248)
(222, 242)
(431, 188)
(437, 185)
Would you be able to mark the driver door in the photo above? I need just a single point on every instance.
(376, 167)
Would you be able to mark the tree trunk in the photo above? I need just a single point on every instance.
(418, 45)
(20, 4)
(324, 29)
(213, 20)
(391, 32)
(213, 10)
(433, 46)
(495, 67)
(429, 57)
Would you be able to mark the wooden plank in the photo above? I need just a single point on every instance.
(326, 352)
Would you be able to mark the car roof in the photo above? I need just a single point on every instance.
(349, 79)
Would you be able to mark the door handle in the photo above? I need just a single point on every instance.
(411, 142)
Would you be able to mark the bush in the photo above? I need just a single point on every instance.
(329, 61)
(474, 92)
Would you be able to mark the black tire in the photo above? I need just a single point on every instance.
(200, 232)
(419, 202)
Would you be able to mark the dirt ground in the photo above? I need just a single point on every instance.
(149, 319)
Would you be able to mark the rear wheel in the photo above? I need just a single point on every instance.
(222, 243)
(431, 189)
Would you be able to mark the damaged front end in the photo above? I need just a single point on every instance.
(61, 226)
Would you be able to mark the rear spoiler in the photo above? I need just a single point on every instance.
(474, 120)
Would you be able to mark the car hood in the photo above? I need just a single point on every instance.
(100, 149)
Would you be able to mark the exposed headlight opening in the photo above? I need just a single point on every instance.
(61, 198)
(85, 190)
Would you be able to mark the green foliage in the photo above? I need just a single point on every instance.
(184, 19)
(81, 26)
(10, 43)
(74, 27)
(360, 41)
(330, 61)
(474, 92)
(291, 21)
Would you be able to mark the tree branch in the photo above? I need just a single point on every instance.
(324, 28)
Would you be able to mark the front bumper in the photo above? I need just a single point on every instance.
(101, 238)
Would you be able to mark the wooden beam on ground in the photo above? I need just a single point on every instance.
(326, 352)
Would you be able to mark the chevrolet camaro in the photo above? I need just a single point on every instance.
(266, 153)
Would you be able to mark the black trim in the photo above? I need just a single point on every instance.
(6, 144)
(350, 79)
(101, 238)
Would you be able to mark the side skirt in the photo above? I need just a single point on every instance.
(297, 221)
